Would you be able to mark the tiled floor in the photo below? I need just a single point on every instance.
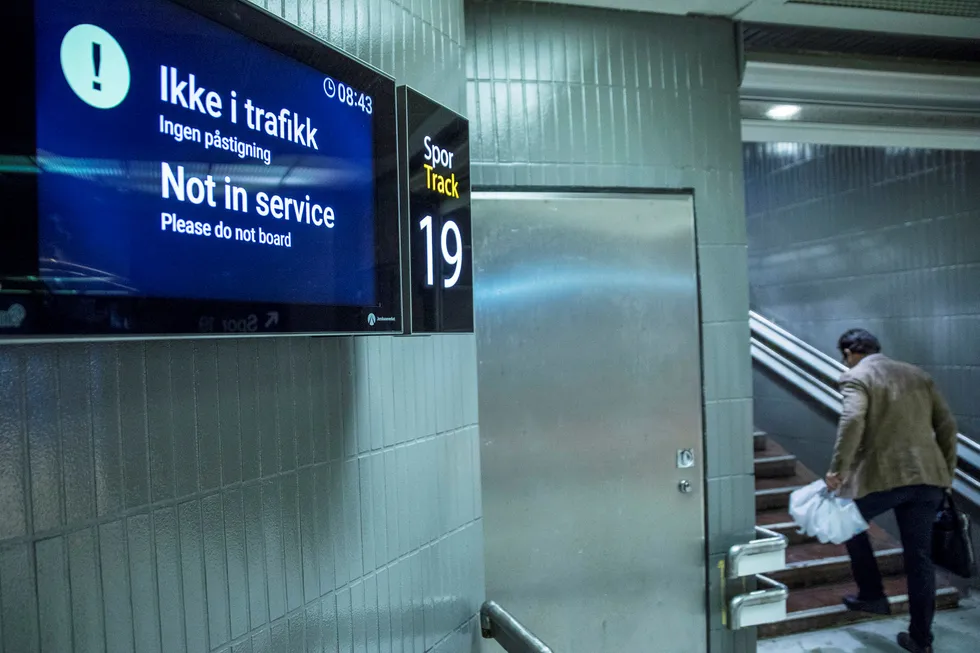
(957, 631)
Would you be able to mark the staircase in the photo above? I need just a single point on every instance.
(819, 575)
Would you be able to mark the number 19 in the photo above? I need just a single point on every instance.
(454, 259)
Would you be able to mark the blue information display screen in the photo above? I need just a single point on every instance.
(197, 167)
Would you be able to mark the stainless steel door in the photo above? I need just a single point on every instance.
(590, 383)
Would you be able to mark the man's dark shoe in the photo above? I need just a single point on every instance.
(905, 641)
(877, 606)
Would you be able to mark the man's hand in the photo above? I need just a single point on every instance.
(834, 481)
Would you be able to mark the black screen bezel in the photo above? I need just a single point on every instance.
(58, 316)
(429, 310)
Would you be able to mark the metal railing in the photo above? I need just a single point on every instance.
(767, 542)
(766, 553)
(776, 594)
(498, 624)
(817, 375)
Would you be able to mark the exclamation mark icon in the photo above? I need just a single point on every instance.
(94, 66)
(97, 63)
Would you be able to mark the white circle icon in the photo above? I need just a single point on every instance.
(95, 66)
(372, 320)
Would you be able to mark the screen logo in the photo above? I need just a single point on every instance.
(374, 319)
(95, 66)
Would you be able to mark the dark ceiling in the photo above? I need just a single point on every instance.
(788, 39)
(958, 8)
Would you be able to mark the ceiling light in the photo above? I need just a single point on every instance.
(783, 111)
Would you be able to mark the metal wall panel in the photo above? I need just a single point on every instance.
(234, 496)
(881, 238)
(584, 302)
(566, 97)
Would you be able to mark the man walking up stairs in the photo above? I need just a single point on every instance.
(895, 450)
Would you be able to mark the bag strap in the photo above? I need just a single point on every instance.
(948, 501)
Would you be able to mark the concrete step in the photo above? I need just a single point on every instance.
(759, 439)
(775, 467)
(773, 498)
(804, 571)
(820, 607)
(773, 493)
(801, 476)
(770, 448)
(780, 522)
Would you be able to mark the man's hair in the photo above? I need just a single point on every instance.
(859, 341)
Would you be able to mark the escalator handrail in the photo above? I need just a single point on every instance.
(761, 332)
(804, 381)
(819, 363)
(968, 443)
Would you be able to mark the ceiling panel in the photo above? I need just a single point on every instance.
(789, 38)
(928, 18)
(792, 134)
(961, 8)
(895, 16)
(816, 82)
(713, 7)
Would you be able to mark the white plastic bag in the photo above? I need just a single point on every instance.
(821, 514)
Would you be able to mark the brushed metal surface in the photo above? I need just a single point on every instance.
(590, 381)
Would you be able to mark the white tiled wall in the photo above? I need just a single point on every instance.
(182, 496)
(880, 238)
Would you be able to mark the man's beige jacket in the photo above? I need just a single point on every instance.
(895, 429)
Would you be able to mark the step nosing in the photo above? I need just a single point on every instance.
(835, 560)
(840, 608)
(789, 489)
(774, 459)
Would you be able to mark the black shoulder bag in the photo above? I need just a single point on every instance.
(952, 548)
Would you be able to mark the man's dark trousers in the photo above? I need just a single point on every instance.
(915, 509)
